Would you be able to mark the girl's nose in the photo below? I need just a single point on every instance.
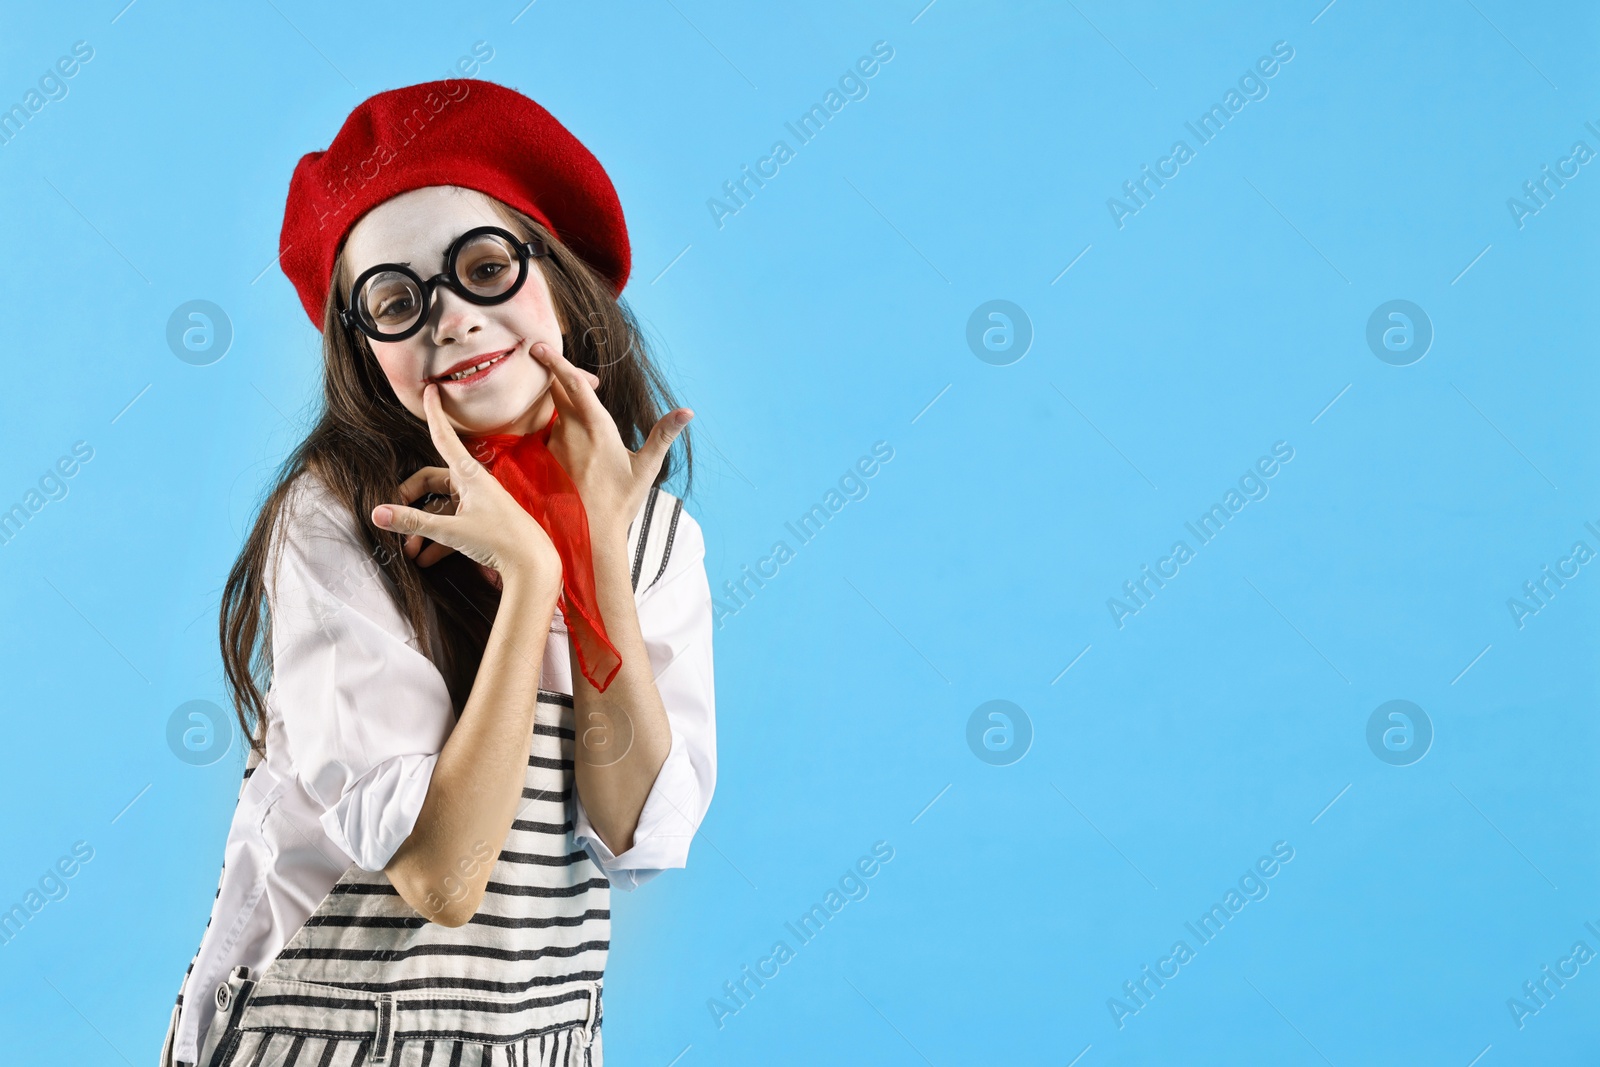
(454, 319)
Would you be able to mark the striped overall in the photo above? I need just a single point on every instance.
(367, 980)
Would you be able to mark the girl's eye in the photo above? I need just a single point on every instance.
(392, 309)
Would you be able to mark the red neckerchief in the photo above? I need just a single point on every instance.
(525, 466)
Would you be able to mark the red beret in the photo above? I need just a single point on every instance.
(460, 131)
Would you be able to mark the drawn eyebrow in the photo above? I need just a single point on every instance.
(442, 255)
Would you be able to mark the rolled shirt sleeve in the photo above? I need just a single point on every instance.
(675, 621)
(363, 712)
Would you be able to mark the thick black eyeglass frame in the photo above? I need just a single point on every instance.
(526, 250)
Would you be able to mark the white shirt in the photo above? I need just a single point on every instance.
(358, 715)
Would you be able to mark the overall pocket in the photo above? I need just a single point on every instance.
(282, 1021)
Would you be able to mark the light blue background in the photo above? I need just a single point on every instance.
(825, 316)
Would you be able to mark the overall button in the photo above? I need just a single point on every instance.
(224, 997)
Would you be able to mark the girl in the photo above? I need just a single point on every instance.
(487, 628)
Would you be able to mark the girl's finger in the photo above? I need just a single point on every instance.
(579, 393)
(647, 461)
(565, 406)
(433, 554)
(419, 548)
(425, 481)
(430, 490)
(403, 520)
(451, 450)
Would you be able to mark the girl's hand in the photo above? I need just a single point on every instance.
(420, 485)
(611, 480)
(488, 526)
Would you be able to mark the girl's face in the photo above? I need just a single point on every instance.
(510, 396)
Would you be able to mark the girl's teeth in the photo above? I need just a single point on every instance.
(471, 370)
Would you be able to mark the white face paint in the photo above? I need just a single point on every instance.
(512, 393)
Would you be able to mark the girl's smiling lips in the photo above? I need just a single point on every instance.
(486, 363)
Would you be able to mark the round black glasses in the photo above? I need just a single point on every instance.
(486, 265)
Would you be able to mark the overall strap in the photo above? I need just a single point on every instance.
(650, 537)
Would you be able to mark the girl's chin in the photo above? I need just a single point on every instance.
(489, 415)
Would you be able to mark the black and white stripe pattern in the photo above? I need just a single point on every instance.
(368, 981)
(258, 1048)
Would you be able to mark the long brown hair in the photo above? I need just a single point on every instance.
(365, 443)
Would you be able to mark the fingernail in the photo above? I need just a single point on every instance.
(381, 515)
(684, 417)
